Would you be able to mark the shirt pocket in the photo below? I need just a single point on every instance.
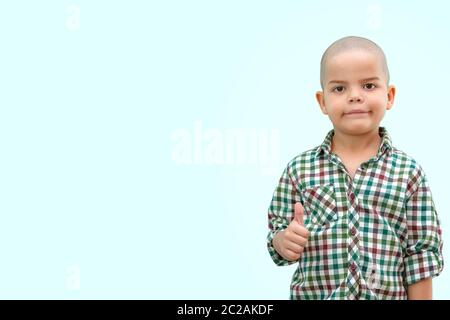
(320, 206)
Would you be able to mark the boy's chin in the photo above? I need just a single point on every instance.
(356, 128)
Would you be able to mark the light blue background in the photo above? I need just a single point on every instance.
(88, 112)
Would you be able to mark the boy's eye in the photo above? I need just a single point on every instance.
(338, 89)
(369, 86)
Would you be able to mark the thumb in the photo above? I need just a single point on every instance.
(298, 212)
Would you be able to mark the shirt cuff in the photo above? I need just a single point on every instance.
(422, 265)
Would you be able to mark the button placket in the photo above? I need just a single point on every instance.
(353, 245)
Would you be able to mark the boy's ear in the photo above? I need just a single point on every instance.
(321, 101)
(391, 97)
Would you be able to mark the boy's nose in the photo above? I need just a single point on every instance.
(354, 98)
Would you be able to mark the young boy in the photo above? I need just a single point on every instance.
(356, 212)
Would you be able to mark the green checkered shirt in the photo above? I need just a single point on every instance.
(371, 236)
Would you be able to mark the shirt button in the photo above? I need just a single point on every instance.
(353, 266)
(352, 196)
(353, 231)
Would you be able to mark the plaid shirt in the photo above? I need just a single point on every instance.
(371, 236)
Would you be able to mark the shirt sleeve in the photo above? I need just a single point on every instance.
(423, 257)
(281, 213)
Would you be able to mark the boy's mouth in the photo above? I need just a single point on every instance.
(356, 113)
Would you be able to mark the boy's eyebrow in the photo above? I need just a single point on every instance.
(362, 80)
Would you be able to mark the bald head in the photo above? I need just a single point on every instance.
(352, 43)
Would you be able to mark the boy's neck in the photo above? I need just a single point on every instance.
(356, 144)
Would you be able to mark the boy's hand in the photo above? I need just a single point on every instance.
(291, 242)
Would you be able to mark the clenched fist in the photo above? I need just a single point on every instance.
(291, 242)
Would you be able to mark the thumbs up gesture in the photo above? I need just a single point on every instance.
(291, 242)
(298, 213)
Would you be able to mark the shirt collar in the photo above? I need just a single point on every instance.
(386, 143)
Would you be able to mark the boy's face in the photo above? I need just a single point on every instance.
(354, 80)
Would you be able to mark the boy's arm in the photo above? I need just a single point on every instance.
(421, 290)
(423, 258)
(281, 213)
